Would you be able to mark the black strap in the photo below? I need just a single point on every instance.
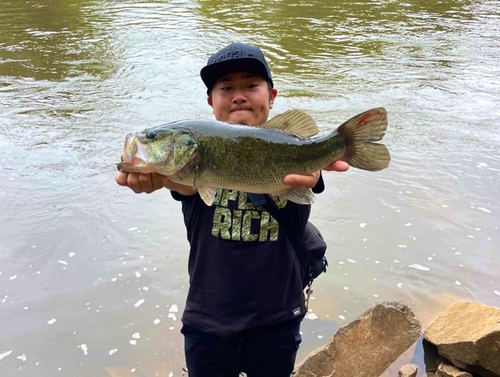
(267, 202)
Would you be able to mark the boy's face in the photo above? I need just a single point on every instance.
(242, 98)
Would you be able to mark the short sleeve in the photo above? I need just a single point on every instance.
(178, 197)
(320, 185)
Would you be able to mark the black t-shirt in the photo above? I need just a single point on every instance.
(243, 271)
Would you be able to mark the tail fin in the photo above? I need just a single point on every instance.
(361, 132)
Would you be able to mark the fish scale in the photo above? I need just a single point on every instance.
(254, 164)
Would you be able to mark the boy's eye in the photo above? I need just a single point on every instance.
(225, 88)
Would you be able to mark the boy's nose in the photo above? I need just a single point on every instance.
(239, 99)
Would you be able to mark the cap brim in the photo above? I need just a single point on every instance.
(211, 73)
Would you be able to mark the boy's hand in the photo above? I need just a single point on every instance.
(310, 180)
(140, 182)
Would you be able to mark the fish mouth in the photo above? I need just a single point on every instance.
(132, 165)
(135, 149)
(135, 156)
(136, 165)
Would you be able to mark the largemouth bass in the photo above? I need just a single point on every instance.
(210, 154)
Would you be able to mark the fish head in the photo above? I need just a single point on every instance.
(162, 150)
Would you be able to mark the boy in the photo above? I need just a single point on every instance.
(245, 300)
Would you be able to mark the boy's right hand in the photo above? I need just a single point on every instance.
(141, 182)
(150, 182)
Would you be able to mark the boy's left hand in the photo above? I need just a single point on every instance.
(310, 180)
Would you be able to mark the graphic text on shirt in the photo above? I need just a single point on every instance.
(235, 218)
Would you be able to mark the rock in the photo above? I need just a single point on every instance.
(408, 370)
(405, 358)
(366, 346)
(447, 370)
(468, 335)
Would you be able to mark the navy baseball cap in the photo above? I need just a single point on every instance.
(233, 58)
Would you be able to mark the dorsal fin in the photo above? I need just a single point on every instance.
(295, 122)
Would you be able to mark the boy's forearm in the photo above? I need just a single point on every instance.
(181, 189)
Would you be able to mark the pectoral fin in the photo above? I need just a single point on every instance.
(299, 195)
(207, 194)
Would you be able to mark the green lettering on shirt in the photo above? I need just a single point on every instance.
(236, 228)
(247, 224)
(243, 202)
(269, 227)
(228, 195)
(222, 223)
(236, 224)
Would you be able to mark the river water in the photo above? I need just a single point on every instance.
(93, 277)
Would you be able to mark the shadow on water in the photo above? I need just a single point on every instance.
(430, 355)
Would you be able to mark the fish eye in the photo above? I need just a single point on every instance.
(151, 134)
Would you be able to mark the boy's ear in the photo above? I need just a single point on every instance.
(209, 100)
(274, 93)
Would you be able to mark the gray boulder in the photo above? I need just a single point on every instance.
(447, 370)
(367, 346)
(468, 335)
(408, 370)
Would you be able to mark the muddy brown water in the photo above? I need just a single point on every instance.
(93, 277)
